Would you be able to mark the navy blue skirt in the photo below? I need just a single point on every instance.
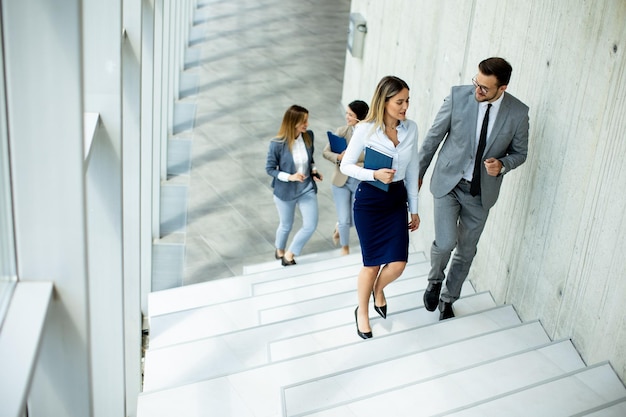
(381, 221)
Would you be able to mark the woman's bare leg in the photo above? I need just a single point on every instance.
(388, 274)
(365, 283)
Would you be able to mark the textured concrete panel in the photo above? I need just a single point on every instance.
(554, 242)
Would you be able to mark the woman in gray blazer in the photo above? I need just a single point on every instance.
(343, 186)
(291, 165)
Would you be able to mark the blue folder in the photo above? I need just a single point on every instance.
(375, 159)
(337, 143)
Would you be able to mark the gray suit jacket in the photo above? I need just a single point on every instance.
(456, 123)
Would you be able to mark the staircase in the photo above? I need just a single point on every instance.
(282, 342)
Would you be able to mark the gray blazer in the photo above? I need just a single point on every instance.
(456, 123)
(279, 158)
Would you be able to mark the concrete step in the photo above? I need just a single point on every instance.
(440, 395)
(237, 351)
(615, 408)
(283, 343)
(220, 318)
(302, 260)
(590, 391)
(227, 289)
(411, 316)
(345, 387)
(259, 388)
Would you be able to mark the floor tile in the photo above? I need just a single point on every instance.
(249, 64)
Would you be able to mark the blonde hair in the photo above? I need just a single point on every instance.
(294, 116)
(387, 87)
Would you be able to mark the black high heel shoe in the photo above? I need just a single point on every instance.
(276, 255)
(285, 262)
(382, 311)
(363, 335)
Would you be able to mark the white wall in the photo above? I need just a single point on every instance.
(135, 246)
(45, 117)
(83, 127)
(555, 241)
(102, 82)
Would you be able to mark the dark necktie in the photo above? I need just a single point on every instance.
(475, 187)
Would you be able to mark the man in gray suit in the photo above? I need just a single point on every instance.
(484, 131)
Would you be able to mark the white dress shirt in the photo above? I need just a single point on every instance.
(404, 155)
(468, 172)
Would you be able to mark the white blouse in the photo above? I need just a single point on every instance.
(404, 155)
(300, 159)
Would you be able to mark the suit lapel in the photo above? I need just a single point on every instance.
(470, 122)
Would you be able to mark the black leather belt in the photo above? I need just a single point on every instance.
(464, 181)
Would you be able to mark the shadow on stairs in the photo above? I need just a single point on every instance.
(282, 342)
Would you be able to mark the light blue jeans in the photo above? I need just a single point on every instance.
(307, 204)
(344, 203)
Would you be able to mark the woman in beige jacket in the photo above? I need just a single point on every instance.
(344, 187)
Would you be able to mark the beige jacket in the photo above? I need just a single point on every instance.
(339, 179)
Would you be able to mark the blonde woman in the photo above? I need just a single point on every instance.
(291, 165)
(383, 218)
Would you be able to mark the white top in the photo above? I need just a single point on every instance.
(300, 159)
(404, 155)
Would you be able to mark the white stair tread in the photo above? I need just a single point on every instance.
(213, 398)
(363, 382)
(282, 342)
(302, 260)
(351, 271)
(411, 314)
(451, 391)
(402, 294)
(260, 387)
(220, 290)
(245, 313)
(613, 409)
(224, 289)
(565, 396)
(237, 351)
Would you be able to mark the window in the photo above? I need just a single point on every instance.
(7, 242)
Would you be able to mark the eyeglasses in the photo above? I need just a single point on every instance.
(483, 89)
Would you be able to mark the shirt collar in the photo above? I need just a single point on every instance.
(496, 104)
(402, 125)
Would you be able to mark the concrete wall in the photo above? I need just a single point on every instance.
(555, 241)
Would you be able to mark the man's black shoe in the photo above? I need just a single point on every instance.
(446, 311)
(431, 295)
